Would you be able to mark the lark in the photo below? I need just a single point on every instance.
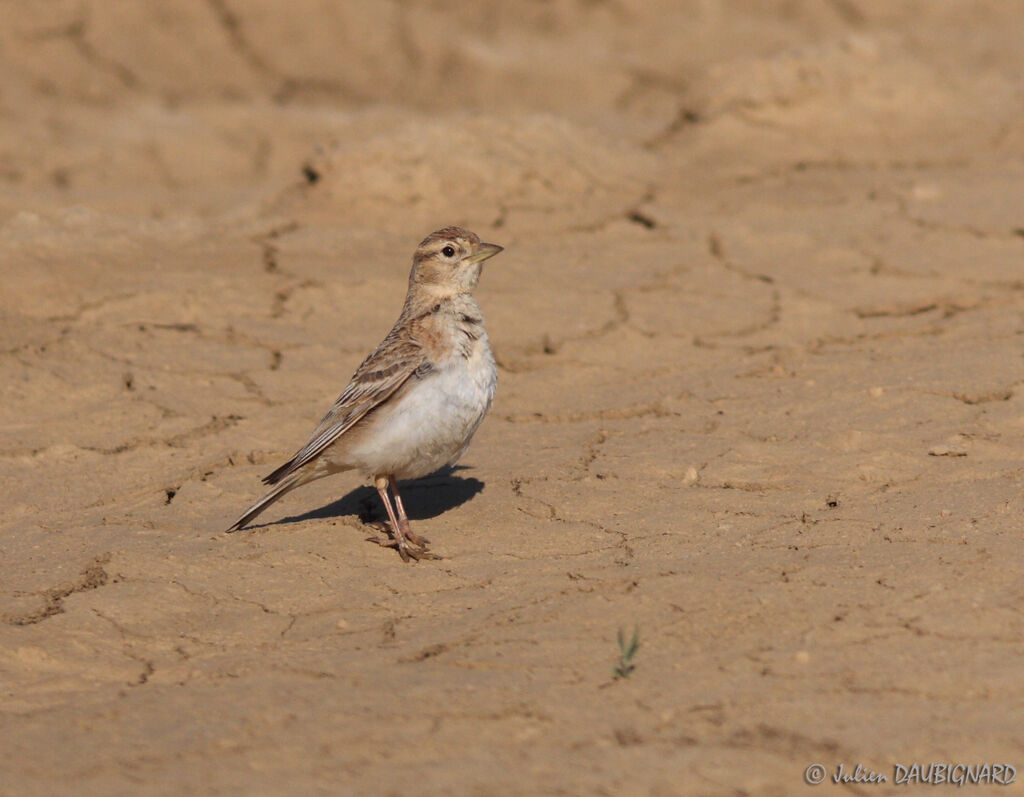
(414, 404)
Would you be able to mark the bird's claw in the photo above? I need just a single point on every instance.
(416, 539)
(407, 549)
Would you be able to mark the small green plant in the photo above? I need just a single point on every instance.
(627, 650)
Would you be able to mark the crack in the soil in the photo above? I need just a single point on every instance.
(620, 319)
(232, 27)
(282, 296)
(269, 249)
(92, 577)
(650, 409)
(591, 449)
(622, 538)
(717, 251)
(685, 117)
(75, 32)
(213, 426)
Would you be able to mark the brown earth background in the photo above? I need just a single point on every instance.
(759, 325)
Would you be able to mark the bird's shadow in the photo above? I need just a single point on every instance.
(423, 498)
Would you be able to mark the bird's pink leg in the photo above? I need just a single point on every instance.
(403, 519)
(405, 549)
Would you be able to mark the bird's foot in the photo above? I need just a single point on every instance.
(410, 546)
(416, 539)
(405, 548)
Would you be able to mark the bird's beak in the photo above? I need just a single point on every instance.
(485, 251)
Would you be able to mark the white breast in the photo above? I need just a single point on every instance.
(432, 420)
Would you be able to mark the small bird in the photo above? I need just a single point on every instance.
(415, 402)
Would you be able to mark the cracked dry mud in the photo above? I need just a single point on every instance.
(758, 324)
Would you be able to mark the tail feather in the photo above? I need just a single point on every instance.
(250, 513)
(280, 473)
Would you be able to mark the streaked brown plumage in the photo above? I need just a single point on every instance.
(415, 402)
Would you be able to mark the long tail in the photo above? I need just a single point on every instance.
(283, 487)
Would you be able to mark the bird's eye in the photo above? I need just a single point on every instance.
(448, 251)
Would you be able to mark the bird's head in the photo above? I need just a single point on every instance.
(449, 261)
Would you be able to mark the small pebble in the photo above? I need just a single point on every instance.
(947, 451)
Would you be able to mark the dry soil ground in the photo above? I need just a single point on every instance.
(759, 324)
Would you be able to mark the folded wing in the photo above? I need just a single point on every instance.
(380, 375)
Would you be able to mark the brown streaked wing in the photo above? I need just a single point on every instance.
(380, 375)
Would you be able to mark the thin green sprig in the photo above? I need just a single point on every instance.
(627, 651)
